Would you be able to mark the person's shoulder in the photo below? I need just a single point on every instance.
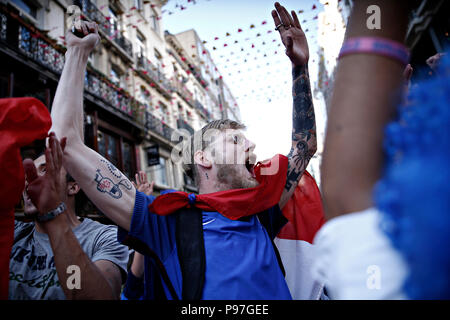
(97, 233)
(22, 227)
(89, 225)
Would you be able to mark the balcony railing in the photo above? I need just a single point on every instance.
(181, 89)
(107, 92)
(155, 124)
(124, 43)
(93, 13)
(155, 74)
(39, 50)
(30, 44)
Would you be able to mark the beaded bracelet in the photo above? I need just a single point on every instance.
(376, 45)
(53, 213)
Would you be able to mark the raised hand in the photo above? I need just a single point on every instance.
(142, 183)
(407, 74)
(89, 41)
(433, 61)
(46, 191)
(292, 35)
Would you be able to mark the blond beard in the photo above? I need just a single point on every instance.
(228, 178)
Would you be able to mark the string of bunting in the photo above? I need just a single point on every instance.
(235, 51)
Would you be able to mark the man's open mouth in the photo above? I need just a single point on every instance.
(250, 167)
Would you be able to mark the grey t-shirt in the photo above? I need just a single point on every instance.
(32, 271)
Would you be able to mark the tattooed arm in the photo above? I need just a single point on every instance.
(304, 142)
(104, 185)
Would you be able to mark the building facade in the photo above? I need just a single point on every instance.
(143, 85)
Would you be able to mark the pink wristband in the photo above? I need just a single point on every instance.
(374, 45)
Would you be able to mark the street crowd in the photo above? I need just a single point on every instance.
(383, 207)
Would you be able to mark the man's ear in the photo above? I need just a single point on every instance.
(202, 159)
(72, 188)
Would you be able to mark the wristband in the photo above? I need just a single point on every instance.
(375, 45)
(52, 214)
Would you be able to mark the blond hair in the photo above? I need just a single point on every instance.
(197, 142)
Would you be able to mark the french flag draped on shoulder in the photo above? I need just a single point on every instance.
(294, 241)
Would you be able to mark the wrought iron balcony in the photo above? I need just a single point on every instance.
(92, 12)
(155, 124)
(115, 96)
(27, 41)
(181, 89)
(34, 46)
(124, 43)
(154, 74)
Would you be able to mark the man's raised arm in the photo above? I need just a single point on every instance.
(106, 187)
(304, 143)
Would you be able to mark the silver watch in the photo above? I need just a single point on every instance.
(52, 214)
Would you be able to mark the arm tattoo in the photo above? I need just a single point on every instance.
(303, 126)
(108, 186)
(115, 172)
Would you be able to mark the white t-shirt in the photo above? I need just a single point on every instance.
(355, 259)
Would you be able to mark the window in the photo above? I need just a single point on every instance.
(128, 159)
(117, 76)
(140, 39)
(181, 113)
(92, 59)
(164, 110)
(160, 172)
(115, 27)
(159, 61)
(188, 181)
(118, 151)
(114, 76)
(108, 147)
(138, 4)
(154, 23)
(145, 96)
(196, 94)
(27, 7)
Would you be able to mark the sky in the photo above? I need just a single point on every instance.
(256, 69)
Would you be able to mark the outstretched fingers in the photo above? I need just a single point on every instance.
(276, 19)
(295, 19)
(150, 189)
(143, 176)
(284, 15)
(30, 170)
